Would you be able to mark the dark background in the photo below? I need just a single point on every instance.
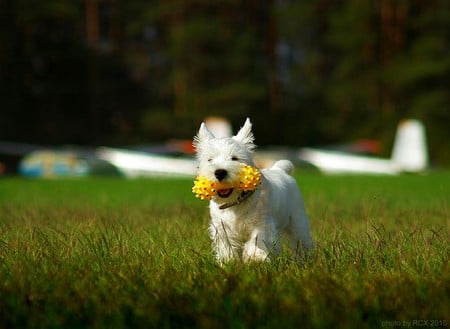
(116, 72)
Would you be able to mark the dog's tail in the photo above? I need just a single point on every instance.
(284, 165)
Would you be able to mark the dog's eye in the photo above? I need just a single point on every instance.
(209, 160)
(234, 158)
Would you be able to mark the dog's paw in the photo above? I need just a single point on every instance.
(254, 253)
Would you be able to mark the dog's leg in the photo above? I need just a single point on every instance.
(223, 247)
(223, 251)
(298, 232)
(256, 249)
(262, 244)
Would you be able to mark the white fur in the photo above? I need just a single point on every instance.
(250, 229)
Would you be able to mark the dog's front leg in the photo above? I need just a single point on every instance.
(223, 251)
(261, 245)
(223, 246)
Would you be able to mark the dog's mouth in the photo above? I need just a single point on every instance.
(225, 193)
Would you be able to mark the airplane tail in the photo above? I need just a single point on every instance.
(410, 151)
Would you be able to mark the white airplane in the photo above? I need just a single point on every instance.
(134, 164)
(409, 154)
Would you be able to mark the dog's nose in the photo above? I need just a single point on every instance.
(220, 174)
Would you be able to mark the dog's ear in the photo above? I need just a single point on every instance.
(245, 135)
(203, 135)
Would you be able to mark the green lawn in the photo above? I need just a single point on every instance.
(111, 253)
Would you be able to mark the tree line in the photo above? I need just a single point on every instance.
(306, 72)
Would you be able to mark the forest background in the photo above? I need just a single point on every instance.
(116, 72)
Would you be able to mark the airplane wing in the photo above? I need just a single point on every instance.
(140, 164)
(333, 162)
(410, 154)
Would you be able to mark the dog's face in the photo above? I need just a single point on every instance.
(221, 159)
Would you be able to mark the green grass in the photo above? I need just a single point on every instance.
(110, 253)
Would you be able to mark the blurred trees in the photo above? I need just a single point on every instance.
(363, 65)
(307, 72)
(208, 58)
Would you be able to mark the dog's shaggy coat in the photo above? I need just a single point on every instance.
(246, 225)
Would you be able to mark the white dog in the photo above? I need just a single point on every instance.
(247, 225)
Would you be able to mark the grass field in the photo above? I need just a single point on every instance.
(111, 253)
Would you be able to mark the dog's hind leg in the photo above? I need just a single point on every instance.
(298, 233)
